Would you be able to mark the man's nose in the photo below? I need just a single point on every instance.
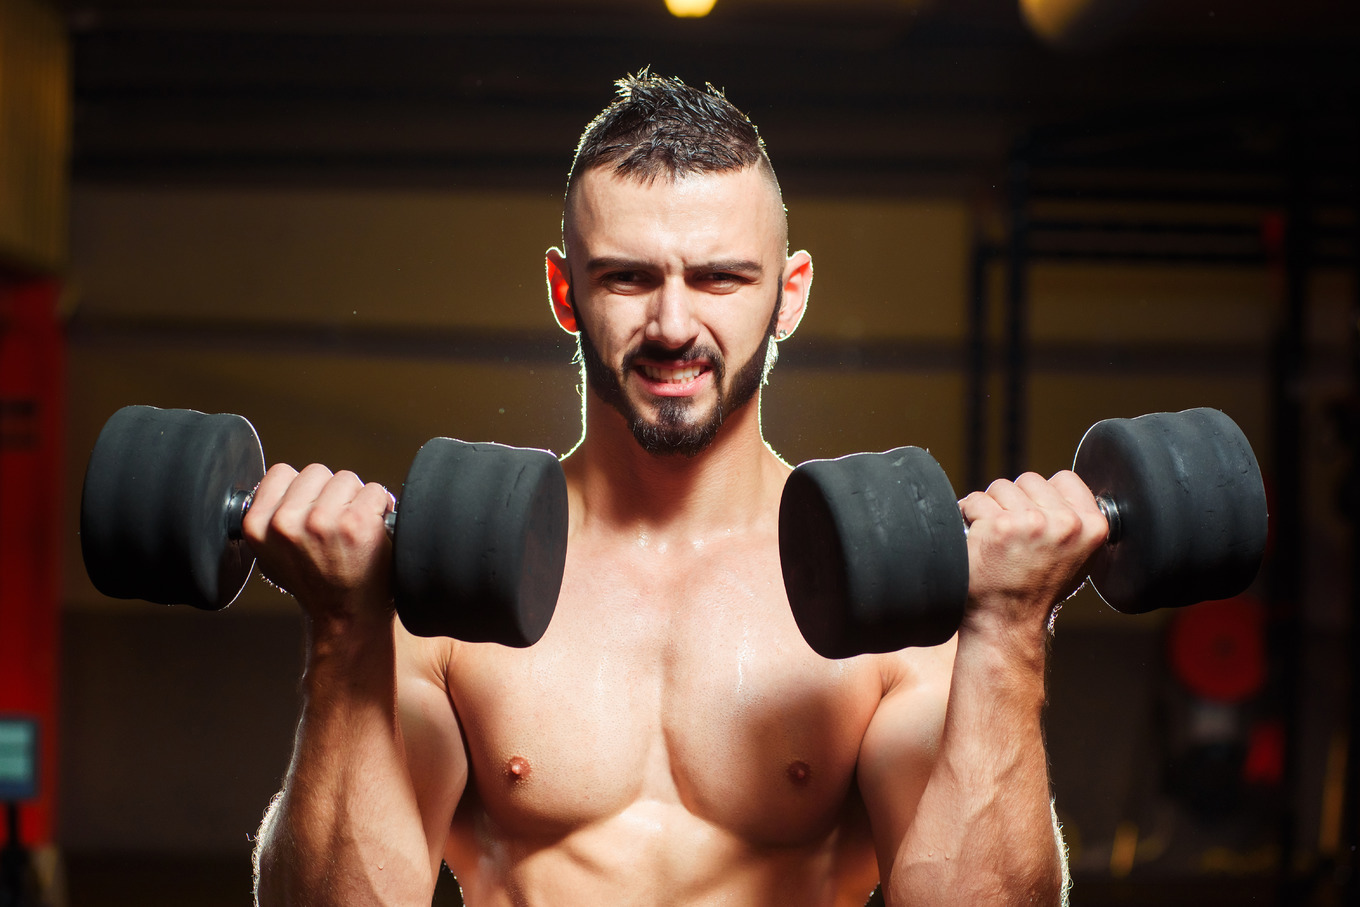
(671, 321)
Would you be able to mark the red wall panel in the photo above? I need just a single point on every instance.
(32, 422)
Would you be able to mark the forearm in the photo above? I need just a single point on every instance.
(346, 828)
(983, 830)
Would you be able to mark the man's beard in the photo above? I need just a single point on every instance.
(671, 432)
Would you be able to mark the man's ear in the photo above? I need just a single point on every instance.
(797, 285)
(559, 291)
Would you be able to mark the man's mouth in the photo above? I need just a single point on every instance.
(681, 375)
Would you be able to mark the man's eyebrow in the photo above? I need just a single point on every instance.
(739, 266)
(743, 266)
(607, 263)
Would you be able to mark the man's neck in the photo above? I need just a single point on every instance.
(731, 485)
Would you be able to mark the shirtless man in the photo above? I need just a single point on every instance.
(671, 739)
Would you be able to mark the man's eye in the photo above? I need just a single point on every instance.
(722, 280)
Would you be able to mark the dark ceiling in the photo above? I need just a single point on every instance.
(859, 95)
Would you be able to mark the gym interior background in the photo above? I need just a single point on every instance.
(329, 217)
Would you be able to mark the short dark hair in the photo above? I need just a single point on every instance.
(659, 126)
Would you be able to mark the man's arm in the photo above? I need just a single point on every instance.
(953, 766)
(378, 763)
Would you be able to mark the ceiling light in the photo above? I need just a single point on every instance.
(688, 9)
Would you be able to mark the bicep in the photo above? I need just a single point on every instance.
(900, 746)
(435, 754)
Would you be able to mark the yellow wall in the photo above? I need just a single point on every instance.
(34, 135)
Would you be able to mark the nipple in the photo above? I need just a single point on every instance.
(800, 772)
(517, 769)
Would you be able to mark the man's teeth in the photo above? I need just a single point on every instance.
(672, 375)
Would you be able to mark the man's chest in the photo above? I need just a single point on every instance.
(667, 679)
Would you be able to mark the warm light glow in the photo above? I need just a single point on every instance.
(1078, 24)
(689, 8)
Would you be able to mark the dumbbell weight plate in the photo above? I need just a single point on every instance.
(153, 507)
(480, 543)
(1191, 503)
(873, 552)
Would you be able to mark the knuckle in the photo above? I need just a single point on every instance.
(1031, 522)
(381, 494)
(1071, 485)
(1096, 526)
(253, 528)
(1011, 524)
(1067, 524)
(284, 525)
(353, 527)
(317, 522)
(348, 477)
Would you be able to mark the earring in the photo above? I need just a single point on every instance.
(781, 335)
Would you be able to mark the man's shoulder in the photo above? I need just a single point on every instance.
(423, 658)
(918, 670)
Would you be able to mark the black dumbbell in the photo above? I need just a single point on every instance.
(1186, 505)
(874, 550)
(478, 548)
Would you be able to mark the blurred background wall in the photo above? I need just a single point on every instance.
(330, 217)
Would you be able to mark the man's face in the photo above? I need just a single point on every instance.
(676, 287)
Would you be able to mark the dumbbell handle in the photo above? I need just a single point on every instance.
(1110, 510)
(238, 505)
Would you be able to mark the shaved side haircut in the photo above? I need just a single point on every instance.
(658, 126)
